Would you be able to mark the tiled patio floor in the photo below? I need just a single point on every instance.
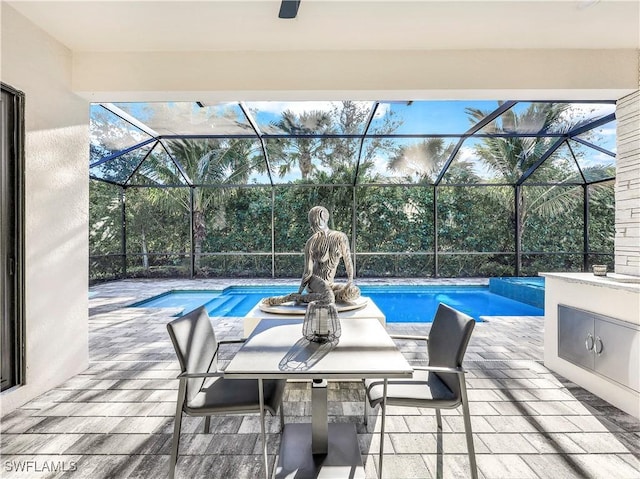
(116, 418)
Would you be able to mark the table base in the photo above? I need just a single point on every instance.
(342, 461)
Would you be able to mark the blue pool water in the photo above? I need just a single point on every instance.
(524, 290)
(185, 299)
(405, 304)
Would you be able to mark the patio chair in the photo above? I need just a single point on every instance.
(440, 385)
(203, 390)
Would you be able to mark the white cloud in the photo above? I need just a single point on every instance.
(277, 107)
(465, 153)
(297, 107)
(380, 164)
(596, 159)
(606, 131)
(480, 168)
(583, 111)
(382, 110)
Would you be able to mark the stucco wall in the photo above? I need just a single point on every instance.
(56, 203)
(356, 75)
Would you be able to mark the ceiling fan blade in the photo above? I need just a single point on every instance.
(289, 8)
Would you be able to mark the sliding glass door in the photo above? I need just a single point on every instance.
(11, 237)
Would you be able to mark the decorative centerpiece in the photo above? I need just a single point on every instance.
(322, 254)
(321, 323)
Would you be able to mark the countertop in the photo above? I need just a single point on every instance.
(612, 280)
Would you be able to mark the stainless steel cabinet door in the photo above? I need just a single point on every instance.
(576, 338)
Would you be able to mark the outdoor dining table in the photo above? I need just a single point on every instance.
(277, 350)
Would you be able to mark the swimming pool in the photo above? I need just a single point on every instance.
(400, 304)
(529, 290)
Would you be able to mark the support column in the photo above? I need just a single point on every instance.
(319, 423)
(192, 257)
(627, 241)
(123, 230)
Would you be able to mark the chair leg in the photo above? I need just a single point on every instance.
(439, 447)
(207, 424)
(174, 446)
(262, 429)
(281, 417)
(366, 411)
(384, 415)
(176, 428)
(467, 428)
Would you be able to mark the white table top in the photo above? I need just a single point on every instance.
(277, 350)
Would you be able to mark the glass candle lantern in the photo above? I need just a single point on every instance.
(321, 323)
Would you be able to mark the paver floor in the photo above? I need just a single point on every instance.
(115, 419)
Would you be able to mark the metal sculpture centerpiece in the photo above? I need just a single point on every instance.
(318, 291)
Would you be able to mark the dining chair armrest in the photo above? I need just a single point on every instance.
(227, 341)
(232, 341)
(439, 369)
(409, 336)
(217, 374)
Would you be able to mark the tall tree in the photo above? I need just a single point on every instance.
(209, 165)
(344, 158)
(422, 162)
(300, 151)
(509, 157)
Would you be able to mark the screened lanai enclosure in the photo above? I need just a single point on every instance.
(422, 188)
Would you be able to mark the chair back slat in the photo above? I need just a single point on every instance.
(448, 340)
(195, 344)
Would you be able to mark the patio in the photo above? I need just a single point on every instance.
(115, 419)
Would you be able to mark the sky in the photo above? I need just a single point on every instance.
(417, 117)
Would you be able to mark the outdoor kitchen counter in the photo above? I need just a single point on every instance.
(592, 334)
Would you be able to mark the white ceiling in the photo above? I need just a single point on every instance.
(242, 25)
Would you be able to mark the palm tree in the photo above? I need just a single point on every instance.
(300, 151)
(337, 155)
(421, 162)
(208, 165)
(104, 221)
(509, 158)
